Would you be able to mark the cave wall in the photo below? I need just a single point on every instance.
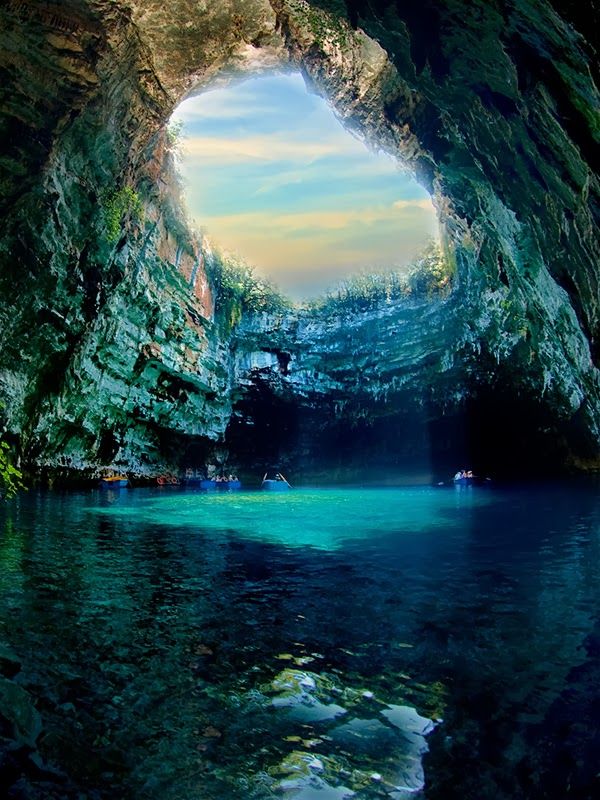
(324, 392)
(110, 353)
(397, 390)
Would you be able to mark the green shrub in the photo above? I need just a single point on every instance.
(430, 275)
(238, 290)
(174, 134)
(10, 476)
(117, 204)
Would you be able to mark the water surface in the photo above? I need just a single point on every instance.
(310, 645)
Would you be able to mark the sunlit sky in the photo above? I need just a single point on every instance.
(271, 175)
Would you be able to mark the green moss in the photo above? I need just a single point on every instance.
(118, 204)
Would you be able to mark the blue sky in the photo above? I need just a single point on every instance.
(271, 175)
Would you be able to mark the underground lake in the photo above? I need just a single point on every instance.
(316, 644)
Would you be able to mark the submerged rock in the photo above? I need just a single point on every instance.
(304, 695)
(380, 745)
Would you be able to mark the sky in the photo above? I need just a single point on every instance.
(272, 176)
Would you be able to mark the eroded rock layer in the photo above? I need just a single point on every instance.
(111, 354)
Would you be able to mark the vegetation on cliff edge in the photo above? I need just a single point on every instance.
(239, 290)
(428, 276)
(115, 206)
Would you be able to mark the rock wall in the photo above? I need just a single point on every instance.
(350, 395)
(398, 391)
(110, 353)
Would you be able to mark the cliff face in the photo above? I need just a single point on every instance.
(349, 394)
(401, 389)
(110, 353)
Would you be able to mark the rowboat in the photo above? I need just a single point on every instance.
(208, 483)
(228, 484)
(471, 480)
(114, 482)
(168, 480)
(276, 484)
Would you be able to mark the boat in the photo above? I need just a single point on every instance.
(471, 480)
(276, 484)
(202, 482)
(167, 480)
(114, 482)
(228, 484)
(208, 483)
(463, 481)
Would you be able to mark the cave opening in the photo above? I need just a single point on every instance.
(270, 172)
(273, 177)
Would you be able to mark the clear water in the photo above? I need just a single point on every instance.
(311, 645)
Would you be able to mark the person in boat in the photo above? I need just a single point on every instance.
(459, 474)
(469, 473)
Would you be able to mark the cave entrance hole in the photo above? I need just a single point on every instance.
(272, 176)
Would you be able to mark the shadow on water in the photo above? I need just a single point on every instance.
(246, 647)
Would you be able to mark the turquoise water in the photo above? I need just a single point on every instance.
(315, 645)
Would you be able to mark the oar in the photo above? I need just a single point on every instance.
(288, 483)
(264, 477)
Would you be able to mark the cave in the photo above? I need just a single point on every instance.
(371, 623)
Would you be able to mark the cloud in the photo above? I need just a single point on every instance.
(289, 223)
(322, 247)
(274, 177)
(220, 106)
(268, 148)
(424, 203)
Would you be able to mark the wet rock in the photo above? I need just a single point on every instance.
(305, 696)
(309, 777)
(19, 716)
(10, 663)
